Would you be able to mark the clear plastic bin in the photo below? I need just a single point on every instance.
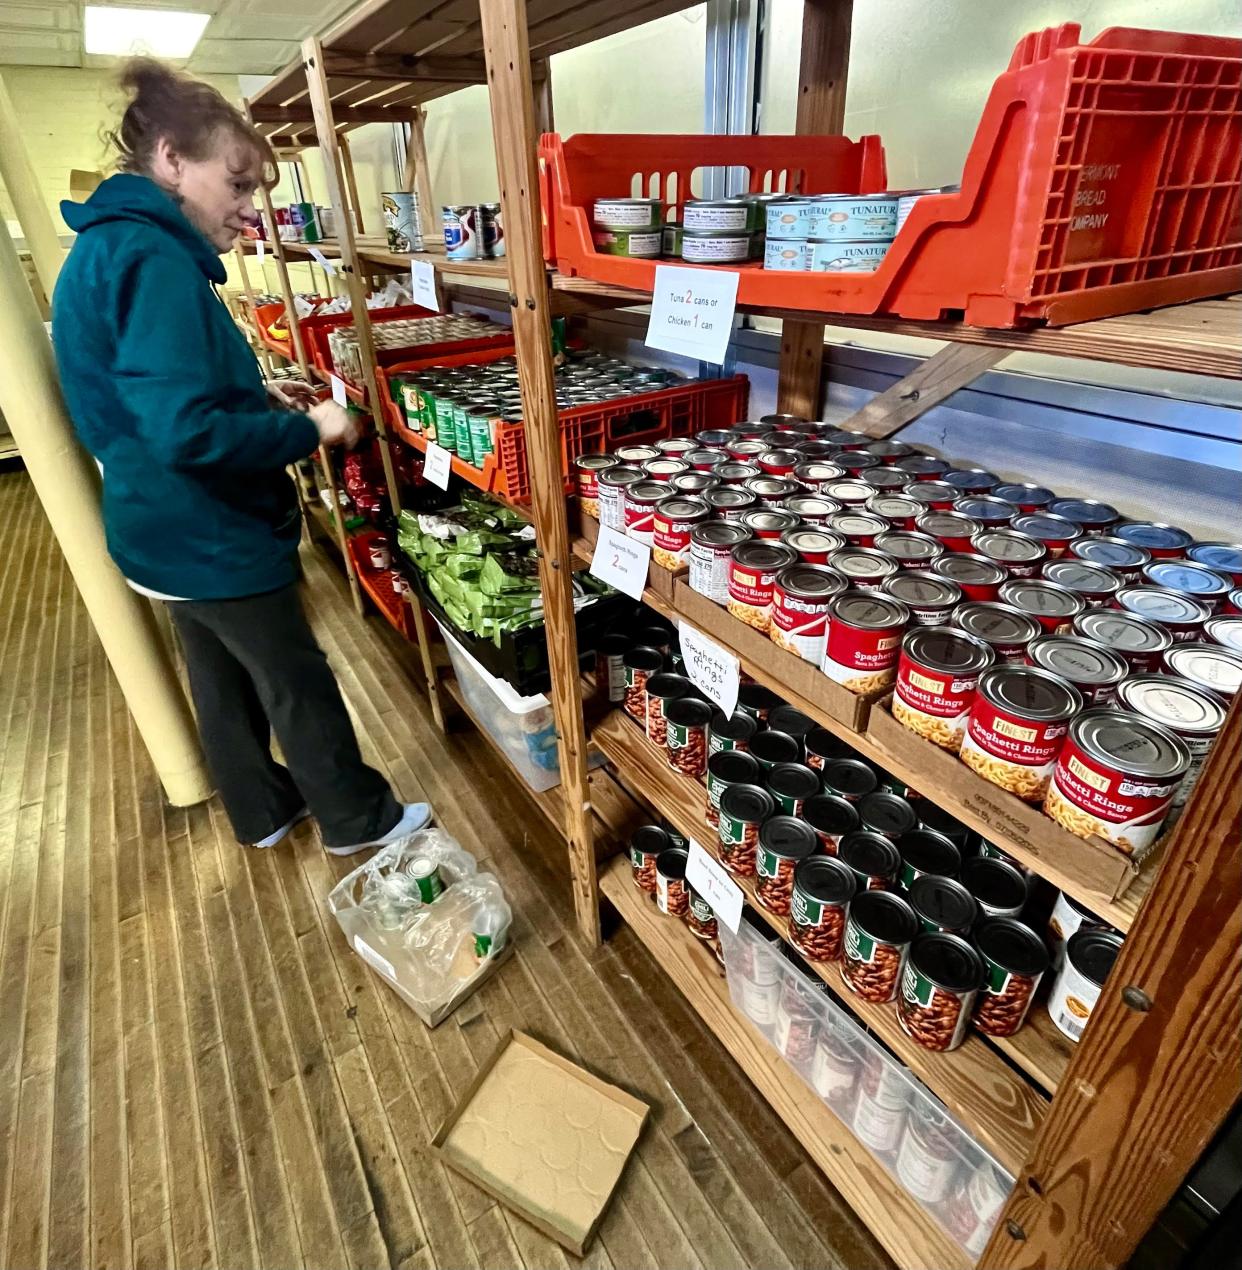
(889, 1110)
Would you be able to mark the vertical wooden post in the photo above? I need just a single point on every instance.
(1156, 1071)
(506, 48)
(545, 119)
(417, 176)
(825, 64)
(351, 182)
(265, 358)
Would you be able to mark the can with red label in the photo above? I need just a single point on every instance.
(971, 480)
(1225, 631)
(801, 597)
(610, 486)
(746, 450)
(848, 493)
(1019, 554)
(1207, 666)
(992, 513)
(737, 473)
(587, 468)
(665, 468)
(1093, 669)
(1005, 629)
(730, 502)
(778, 462)
(1181, 615)
(1054, 607)
(1123, 559)
(937, 676)
(1221, 557)
(885, 479)
(768, 523)
(1095, 584)
(951, 529)
(1025, 497)
(672, 523)
(1196, 581)
(1017, 727)
(864, 567)
(704, 460)
(1094, 517)
(923, 467)
(912, 551)
(813, 545)
(694, 483)
(898, 509)
(864, 640)
(752, 577)
(1115, 778)
(859, 528)
(771, 491)
(935, 496)
(1055, 532)
(817, 474)
(979, 577)
(931, 600)
(809, 508)
(1141, 643)
(1165, 542)
(640, 503)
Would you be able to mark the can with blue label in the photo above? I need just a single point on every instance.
(461, 231)
(795, 218)
(836, 256)
(854, 218)
(492, 231)
(785, 253)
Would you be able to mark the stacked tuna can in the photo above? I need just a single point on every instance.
(723, 231)
(830, 233)
(1067, 654)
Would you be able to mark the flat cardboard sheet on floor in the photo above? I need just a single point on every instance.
(544, 1137)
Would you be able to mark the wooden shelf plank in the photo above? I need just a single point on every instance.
(911, 1237)
(995, 1103)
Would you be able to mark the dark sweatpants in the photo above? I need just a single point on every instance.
(255, 669)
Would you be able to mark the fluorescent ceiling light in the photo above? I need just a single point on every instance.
(160, 32)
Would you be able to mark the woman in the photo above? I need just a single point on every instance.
(198, 508)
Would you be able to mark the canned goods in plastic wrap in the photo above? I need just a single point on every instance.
(880, 1112)
(971, 1210)
(927, 1158)
(834, 1071)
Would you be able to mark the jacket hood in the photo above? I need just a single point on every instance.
(128, 197)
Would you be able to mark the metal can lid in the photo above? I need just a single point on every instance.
(886, 449)
(882, 477)
(830, 814)
(948, 961)
(908, 544)
(850, 777)
(775, 747)
(791, 720)
(1162, 605)
(1093, 579)
(1116, 628)
(682, 508)
(694, 482)
(973, 479)
(1182, 707)
(1216, 669)
(778, 457)
(682, 447)
(825, 879)
(750, 446)
(996, 623)
(768, 520)
(688, 712)
(720, 533)
(767, 556)
(808, 506)
(1224, 557)
(933, 816)
(793, 780)
(995, 884)
(930, 852)
(1012, 946)
(595, 462)
(665, 466)
(864, 562)
(869, 854)
(736, 472)
(849, 491)
(1079, 660)
(817, 470)
(666, 686)
(950, 524)
(696, 457)
(1034, 595)
(723, 497)
(1226, 631)
(1030, 693)
(1152, 535)
(893, 506)
(747, 803)
(942, 901)
(1085, 511)
(772, 486)
(738, 726)
(931, 492)
(787, 837)
(923, 590)
(985, 509)
(810, 581)
(1092, 952)
(1009, 545)
(869, 611)
(645, 492)
(1021, 493)
(857, 524)
(671, 863)
(1187, 577)
(622, 474)
(757, 699)
(947, 650)
(889, 814)
(1133, 745)
(637, 453)
(883, 916)
(967, 569)
(1047, 527)
(649, 840)
(802, 538)
(922, 464)
(643, 658)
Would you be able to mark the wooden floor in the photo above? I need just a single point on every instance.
(196, 1071)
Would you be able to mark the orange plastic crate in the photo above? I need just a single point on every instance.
(1103, 178)
(377, 583)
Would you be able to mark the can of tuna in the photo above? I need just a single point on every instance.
(1221, 557)
(978, 577)
(1116, 778)
(1014, 961)
(1121, 559)
(716, 215)
(743, 809)
(1093, 669)
(864, 640)
(786, 255)
(714, 248)
(832, 817)
(931, 600)
(628, 213)
(1017, 727)
(1054, 607)
(802, 595)
(752, 577)
(784, 841)
(879, 929)
(937, 676)
(942, 904)
(611, 484)
(929, 1154)
(711, 551)
(840, 256)
(638, 244)
(1095, 584)
(854, 218)
(1140, 643)
(1089, 959)
(726, 768)
(1181, 615)
(939, 984)
(460, 222)
(1187, 578)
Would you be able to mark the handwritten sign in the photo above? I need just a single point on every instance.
(437, 465)
(692, 312)
(621, 562)
(339, 395)
(423, 284)
(321, 259)
(712, 669)
(709, 878)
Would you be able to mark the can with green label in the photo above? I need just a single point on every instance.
(482, 422)
(939, 984)
(461, 428)
(424, 873)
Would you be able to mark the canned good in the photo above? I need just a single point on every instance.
(711, 552)
(726, 768)
(381, 556)
(610, 667)
(934, 495)
(832, 817)
(1140, 643)
(971, 1210)
(685, 734)
(801, 598)
(646, 844)
(716, 215)
(880, 1109)
(813, 546)
(730, 732)
(879, 929)
(985, 510)
(971, 480)
(923, 467)
(939, 984)
(638, 454)
(637, 244)
(1182, 616)
(797, 1024)
(460, 222)
(671, 526)
(694, 483)
(641, 499)
(1225, 631)
(628, 213)
(931, 600)
(999, 888)
(1221, 557)
(640, 664)
(927, 1158)
(587, 468)
(401, 226)
(700, 916)
(823, 748)
(743, 809)
(1024, 496)
(1093, 669)
(611, 484)
(1007, 630)
(491, 219)
(1055, 532)
(730, 502)
(665, 468)
(912, 551)
(978, 577)
(834, 1071)
(663, 689)
(1089, 959)
(850, 778)
(936, 818)
(1095, 584)
(887, 814)
(784, 841)
(757, 700)
(1017, 726)
(853, 217)
(1021, 555)
(864, 640)
(1014, 961)
(1122, 559)
(752, 577)
(1164, 542)
(901, 511)
(1094, 517)
(872, 857)
(951, 529)
(1116, 778)
(792, 784)
(1053, 607)
(768, 524)
(817, 475)
(887, 480)
(771, 748)
(924, 851)
(849, 493)
(1068, 917)
(1187, 578)
(672, 893)
(942, 904)
(791, 721)
(425, 875)
(864, 567)
(836, 255)
(811, 508)
(714, 248)
(857, 528)
(790, 219)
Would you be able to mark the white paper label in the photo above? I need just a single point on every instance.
(712, 669)
(437, 465)
(692, 312)
(374, 960)
(321, 259)
(621, 562)
(339, 395)
(423, 284)
(710, 880)
(260, 250)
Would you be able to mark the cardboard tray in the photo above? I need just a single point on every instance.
(1088, 864)
(544, 1137)
(660, 581)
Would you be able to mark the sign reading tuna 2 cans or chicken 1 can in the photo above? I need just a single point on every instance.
(692, 312)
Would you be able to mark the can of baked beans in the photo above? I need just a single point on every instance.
(784, 841)
(1025, 497)
(672, 523)
(726, 768)
(755, 699)
(1014, 962)
(951, 529)
(662, 689)
(1122, 559)
(923, 467)
(1141, 643)
(1068, 918)
(641, 498)
(1094, 517)
(743, 809)
(711, 551)
(685, 735)
(1181, 615)
(1221, 557)
(899, 510)
(929, 1154)
(1116, 778)
(985, 510)
(730, 731)
(937, 675)
(640, 664)
(912, 550)
(752, 576)
(864, 640)
(933, 817)
(1096, 585)
(1165, 542)
(939, 983)
(930, 600)
(771, 747)
(646, 844)
(1017, 727)
(887, 814)
(672, 893)
(1019, 554)
(801, 598)
(924, 852)
(1055, 532)
(850, 778)
(971, 1210)
(814, 545)
(1187, 578)
(979, 577)
(942, 903)
(832, 817)
(1053, 607)
(1093, 669)
(873, 858)
(864, 567)
(849, 493)
(822, 890)
(935, 496)
(971, 480)
(1089, 959)
(879, 929)
(817, 474)
(610, 486)
(999, 888)
(792, 785)
(1006, 630)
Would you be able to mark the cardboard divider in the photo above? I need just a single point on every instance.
(784, 673)
(660, 581)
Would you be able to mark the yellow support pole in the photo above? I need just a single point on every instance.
(67, 483)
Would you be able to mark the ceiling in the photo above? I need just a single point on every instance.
(241, 38)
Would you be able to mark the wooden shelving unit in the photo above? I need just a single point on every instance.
(1099, 1134)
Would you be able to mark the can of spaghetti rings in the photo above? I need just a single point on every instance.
(610, 486)
(641, 499)
(971, 480)
(951, 529)
(858, 528)
(937, 676)
(1094, 670)
(939, 984)
(832, 817)
(1006, 630)
(931, 600)
(1026, 497)
(1181, 615)
(1054, 532)
(986, 511)
(812, 544)
(1123, 559)
(1020, 555)
(822, 890)
(1196, 581)
(672, 526)
(1095, 584)
(849, 493)
(1115, 779)
(802, 596)
(923, 467)
(914, 552)
(1224, 558)
(864, 640)
(784, 841)
(1142, 644)
(1094, 517)
(979, 577)
(1164, 542)
(725, 769)
(752, 576)
(587, 468)
(711, 550)
(1016, 728)
(933, 496)
(899, 510)
(879, 929)
(1053, 607)
(1015, 960)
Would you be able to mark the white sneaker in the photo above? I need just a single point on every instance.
(279, 835)
(417, 816)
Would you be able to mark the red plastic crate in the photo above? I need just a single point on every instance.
(679, 411)
(1103, 178)
(377, 584)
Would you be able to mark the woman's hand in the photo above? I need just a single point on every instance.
(293, 394)
(336, 425)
